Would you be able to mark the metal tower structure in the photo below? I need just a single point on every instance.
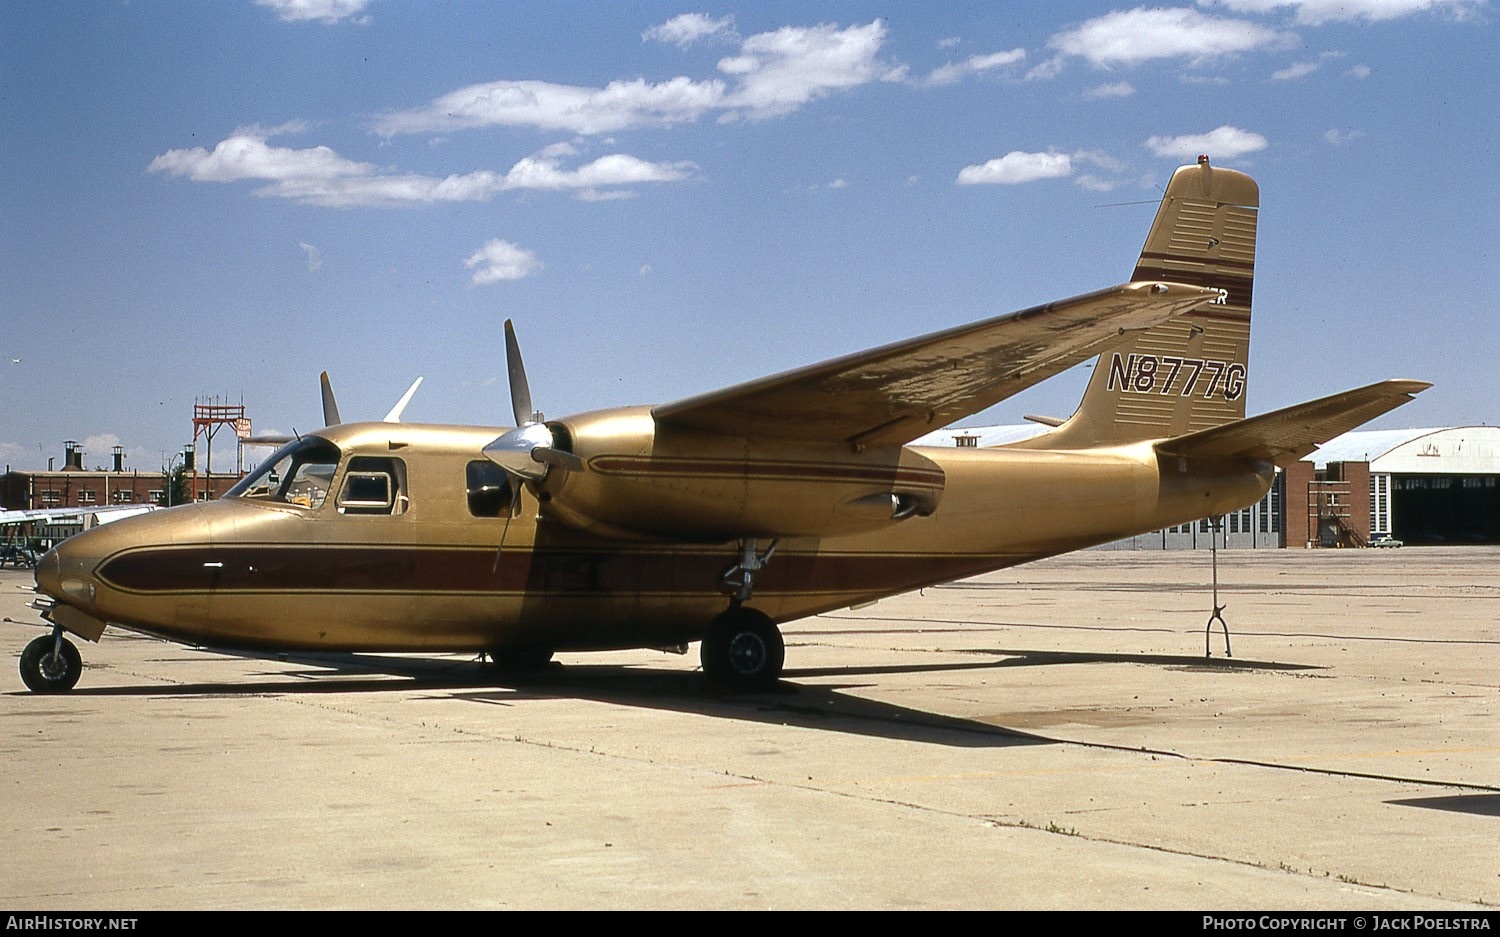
(209, 416)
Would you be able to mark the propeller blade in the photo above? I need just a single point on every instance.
(557, 458)
(520, 392)
(515, 508)
(395, 415)
(330, 406)
(526, 451)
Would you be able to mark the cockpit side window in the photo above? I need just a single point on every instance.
(373, 485)
(489, 487)
(298, 473)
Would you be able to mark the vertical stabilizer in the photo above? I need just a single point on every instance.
(1188, 374)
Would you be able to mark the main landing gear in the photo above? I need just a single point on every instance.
(743, 649)
(521, 659)
(51, 664)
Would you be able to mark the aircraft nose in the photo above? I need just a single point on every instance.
(48, 573)
(66, 572)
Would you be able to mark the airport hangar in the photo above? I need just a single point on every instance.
(1412, 486)
(1416, 486)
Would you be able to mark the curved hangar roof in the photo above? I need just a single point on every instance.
(1457, 450)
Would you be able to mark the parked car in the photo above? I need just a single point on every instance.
(1386, 540)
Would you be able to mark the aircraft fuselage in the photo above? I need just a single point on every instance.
(425, 576)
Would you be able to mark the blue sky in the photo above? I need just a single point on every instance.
(223, 199)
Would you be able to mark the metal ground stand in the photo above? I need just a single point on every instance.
(1218, 612)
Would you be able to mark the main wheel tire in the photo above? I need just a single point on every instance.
(514, 659)
(46, 672)
(743, 650)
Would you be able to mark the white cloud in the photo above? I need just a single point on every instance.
(1016, 167)
(1130, 37)
(501, 260)
(1358, 71)
(314, 257)
(16, 456)
(1318, 12)
(98, 452)
(545, 172)
(773, 74)
(1339, 137)
(974, 65)
(325, 11)
(547, 106)
(1115, 89)
(246, 155)
(319, 176)
(1221, 143)
(682, 31)
(780, 71)
(1295, 71)
(1044, 71)
(1303, 69)
(1094, 183)
(1099, 158)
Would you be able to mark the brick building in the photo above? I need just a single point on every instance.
(74, 486)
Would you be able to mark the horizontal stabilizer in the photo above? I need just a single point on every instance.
(1286, 435)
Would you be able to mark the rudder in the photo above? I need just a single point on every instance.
(1187, 374)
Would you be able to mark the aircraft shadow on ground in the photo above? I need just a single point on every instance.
(828, 707)
(1482, 805)
(1018, 657)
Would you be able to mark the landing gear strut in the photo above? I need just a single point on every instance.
(750, 563)
(51, 664)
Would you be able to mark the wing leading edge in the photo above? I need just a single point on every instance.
(893, 394)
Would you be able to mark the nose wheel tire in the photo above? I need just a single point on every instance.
(743, 650)
(50, 665)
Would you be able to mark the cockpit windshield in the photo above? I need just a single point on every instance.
(298, 473)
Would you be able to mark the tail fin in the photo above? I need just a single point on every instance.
(1187, 374)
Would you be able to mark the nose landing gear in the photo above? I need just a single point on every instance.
(51, 664)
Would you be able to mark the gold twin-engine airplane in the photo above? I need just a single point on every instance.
(719, 517)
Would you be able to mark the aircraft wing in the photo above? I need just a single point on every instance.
(893, 394)
(1286, 435)
(103, 514)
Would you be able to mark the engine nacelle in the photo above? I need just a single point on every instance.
(642, 480)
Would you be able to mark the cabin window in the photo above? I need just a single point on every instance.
(489, 489)
(298, 473)
(373, 485)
